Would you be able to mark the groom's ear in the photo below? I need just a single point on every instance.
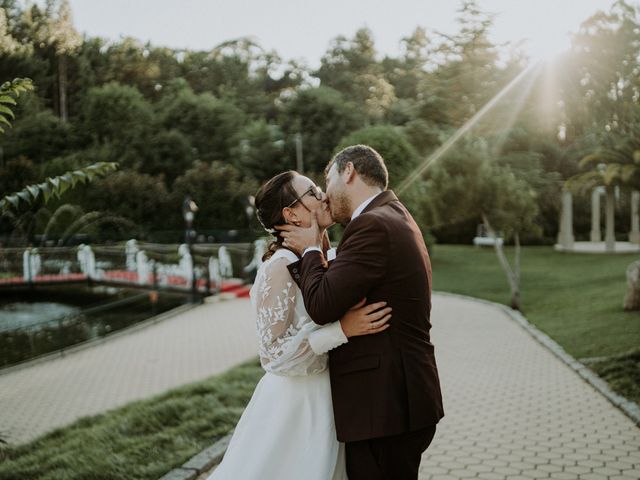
(350, 173)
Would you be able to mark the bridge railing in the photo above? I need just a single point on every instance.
(162, 265)
(51, 264)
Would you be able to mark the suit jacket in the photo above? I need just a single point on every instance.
(387, 383)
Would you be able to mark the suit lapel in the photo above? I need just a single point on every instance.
(382, 199)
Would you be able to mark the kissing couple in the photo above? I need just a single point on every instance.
(351, 388)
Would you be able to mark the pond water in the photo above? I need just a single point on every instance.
(24, 314)
(83, 314)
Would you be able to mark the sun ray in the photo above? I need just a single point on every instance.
(532, 69)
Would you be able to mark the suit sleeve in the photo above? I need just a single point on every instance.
(330, 290)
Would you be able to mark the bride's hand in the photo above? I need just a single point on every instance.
(326, 243)
(364, 319)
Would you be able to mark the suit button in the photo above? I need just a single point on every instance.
(297, 277)
(295, 270)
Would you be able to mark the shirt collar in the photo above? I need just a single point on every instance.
(363, 205)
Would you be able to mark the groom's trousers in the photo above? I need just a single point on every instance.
(388, 458)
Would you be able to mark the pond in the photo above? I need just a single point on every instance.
(15, 315)
(41, 321)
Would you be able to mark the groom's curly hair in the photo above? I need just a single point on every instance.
(366, 161)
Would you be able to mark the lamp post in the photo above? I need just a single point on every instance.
(189, 209)
(249, 210)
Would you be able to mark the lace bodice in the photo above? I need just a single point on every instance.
(289, 342)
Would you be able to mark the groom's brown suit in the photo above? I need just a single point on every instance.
(383, 385)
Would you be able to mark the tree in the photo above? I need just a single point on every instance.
(137, 197)
(119, 116)
(260, 151)
(242, 72)
(39, 136)
(54, 29)
(17, 173)
(351, 67)
(614, 160)
(407, 72)
(600, 81)
(468, 77)
(219, 190)
(468, 184)
(322, 116)
(347, 59)
(8, 44)
(208, 122)
(170, 154)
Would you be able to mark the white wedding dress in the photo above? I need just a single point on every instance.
(287, 431)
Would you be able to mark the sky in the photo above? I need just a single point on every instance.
(302, 30)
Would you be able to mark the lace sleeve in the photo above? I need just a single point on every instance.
(283, 335)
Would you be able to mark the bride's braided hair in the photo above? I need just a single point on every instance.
(272, 197)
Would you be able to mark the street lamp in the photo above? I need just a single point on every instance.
(189, 209)
(250, 206)
(249, 210)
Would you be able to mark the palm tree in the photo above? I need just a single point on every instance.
(9, 91)
(54, 187)
(614, 161)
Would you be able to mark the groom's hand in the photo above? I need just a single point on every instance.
(299, 239)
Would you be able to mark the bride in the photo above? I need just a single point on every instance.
(287, 431)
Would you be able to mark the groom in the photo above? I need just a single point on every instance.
(385, 387)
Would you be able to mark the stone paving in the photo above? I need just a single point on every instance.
(515, 411)
(198, 343)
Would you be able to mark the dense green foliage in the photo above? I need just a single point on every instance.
(232, 114)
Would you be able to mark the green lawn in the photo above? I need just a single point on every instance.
(142, 440)
(575, 299)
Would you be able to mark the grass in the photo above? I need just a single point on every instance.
(622, 372)
(142, 440)
(576, 299)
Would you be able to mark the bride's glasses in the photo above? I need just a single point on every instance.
(314, 190)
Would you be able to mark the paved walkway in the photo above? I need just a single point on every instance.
(201, 342)
(514, 411)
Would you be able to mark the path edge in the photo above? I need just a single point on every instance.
(629, 408)
(201, 462)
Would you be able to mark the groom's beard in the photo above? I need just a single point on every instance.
(340, 207)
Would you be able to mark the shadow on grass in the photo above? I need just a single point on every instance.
(622, 372)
